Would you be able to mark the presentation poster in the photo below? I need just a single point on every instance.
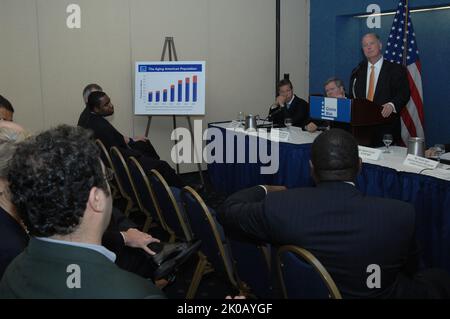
(170, 88)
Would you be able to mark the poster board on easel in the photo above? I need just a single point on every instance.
(169, 88)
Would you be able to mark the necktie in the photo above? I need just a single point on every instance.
(371, 91)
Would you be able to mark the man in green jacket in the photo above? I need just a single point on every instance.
(60, 188)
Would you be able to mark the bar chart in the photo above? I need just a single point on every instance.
(170, 88)
(182, 96)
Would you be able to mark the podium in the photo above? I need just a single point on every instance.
(363, 117)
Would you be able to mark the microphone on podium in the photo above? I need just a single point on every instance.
(353, 77)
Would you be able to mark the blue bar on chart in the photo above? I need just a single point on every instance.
(187, 89)
(150, 97)
(158, 96)
(194, 89)
(172, 93)
(180, 91)
(165, 95)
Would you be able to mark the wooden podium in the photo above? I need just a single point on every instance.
(365, 120)
(360, 116)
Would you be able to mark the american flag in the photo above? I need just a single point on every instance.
(402, 49)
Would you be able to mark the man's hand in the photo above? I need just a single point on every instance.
(387, 110)
(431, 152)
(137, 239)
(140, 138)
(311, 127)
(271, 188)
(281, 100)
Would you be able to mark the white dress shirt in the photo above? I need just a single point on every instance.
(377, 71)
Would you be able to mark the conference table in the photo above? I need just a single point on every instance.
(427, 190)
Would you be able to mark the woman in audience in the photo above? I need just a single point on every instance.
(13, 236)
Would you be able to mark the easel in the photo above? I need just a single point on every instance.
(169, 46)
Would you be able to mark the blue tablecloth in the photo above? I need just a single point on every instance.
(430, 196)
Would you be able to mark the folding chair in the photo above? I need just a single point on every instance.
(214, 250)
(171, 212)
(302, 276)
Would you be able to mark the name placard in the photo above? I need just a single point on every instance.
(367, 153)
(331, 109)
(235, 124)
(279, 135)
(420, 162)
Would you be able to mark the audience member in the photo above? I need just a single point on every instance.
(6, 110)
(344, 229)
(13, 236)
(60, 189)
(100, 106)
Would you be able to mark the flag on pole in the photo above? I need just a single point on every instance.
(402, 49)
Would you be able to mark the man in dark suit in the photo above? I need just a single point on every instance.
(86, 92)
(60, 189)
(100, 106)
(289, 105)
(6, 110)
(345, 230)
(383, 82)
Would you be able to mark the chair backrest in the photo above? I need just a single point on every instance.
(252, 263)
(144, 193)
(205, 228)
(104, 153)
(302, 276)
(108, 162)
(123, 173)
(173, 216)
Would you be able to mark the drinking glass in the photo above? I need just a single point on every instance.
(241, 117)
(439, 150)
(288, 123)
(387, 140)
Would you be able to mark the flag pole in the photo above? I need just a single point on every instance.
(405, 36)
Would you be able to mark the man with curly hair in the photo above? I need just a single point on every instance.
(60, 189)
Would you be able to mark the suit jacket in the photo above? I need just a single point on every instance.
(41, 272)
(105, 132)
(83, 116)
(112, 238)
(344, 229)
(13, 240)
(392, 86)
(298, 112)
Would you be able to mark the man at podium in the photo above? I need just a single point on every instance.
(382, 82)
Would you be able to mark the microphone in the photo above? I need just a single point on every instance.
(354, 77)
(356, 70)
(280, 109)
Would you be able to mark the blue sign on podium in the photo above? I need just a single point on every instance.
(330, 109)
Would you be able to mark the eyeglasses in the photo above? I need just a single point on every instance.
(109, 174)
